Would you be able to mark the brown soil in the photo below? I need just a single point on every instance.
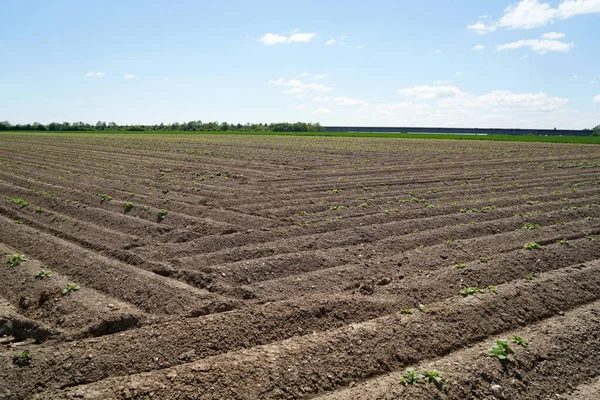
(284, 263)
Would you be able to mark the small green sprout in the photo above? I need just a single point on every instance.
(529, 227)
(501, 349)
(470, 291)
(519, 341)
(21, 202)
(460, 266)
(532, 246)
(529, 277)
(128, 206)
(104, 197)
(23, 359)
(406, 310)
(162, 214)
(563, 241)
(18, 222)
(16, 260)
(483, 259)
(432, 376)
(71, 287)
(43, 274)
(410, 377)
(493, 289)
(39, 210)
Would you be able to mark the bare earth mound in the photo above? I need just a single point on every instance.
(264, 267)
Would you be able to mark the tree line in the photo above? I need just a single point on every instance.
(191, 126)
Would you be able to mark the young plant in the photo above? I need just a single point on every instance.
(23, 359)
(410, 377)
(493, 289)
(18, 222)
(21, 202)
(460, 266)
(532, 246)
(406, 310)
(128, 206)
(529, 227)
(71, 287)
(39, 210)
(162, 214)
(501, 349)
(432, 376)
(16, 260)
(529, 277)
(470, 291)
(104, 197)
(43, 274)
(483, 259)
(519, 341)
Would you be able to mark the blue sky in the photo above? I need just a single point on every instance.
(536, 64)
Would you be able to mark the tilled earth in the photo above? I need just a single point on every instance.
(271, 267)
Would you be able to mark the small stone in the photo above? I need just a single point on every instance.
(497, 392)
(172, 374)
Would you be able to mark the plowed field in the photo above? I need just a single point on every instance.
(266, 267)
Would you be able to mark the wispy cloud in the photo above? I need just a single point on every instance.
(573, 78)
(479, 47)
(270, 39)
(529, 14)
(130, 76)
(553, 35)
(340, 101)
(296, 86)
(93, 74)
(539, 46)
(596, 99)
(459, 73)
(323, 111)
(431, 92)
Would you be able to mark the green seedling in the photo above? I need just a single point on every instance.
(406, 310)
(501, 349)
(23, 359)
(529, 277)
(519, 341)
(43, 274)
(16, 260)
(532, 246)
(104, 197)
(410, 377)
(18, 222)
(128, 206)
(563, 241)
(39, 210)
(432, 376)
(493, 289)
(483, 259)
(21, 202)
(529, 227)
(460, 266)
(162, 214)
(470, 291)
(71, 287)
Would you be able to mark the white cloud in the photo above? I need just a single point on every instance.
(319, 76)
(304, 74)
(505, 99)
(479, 47)
(482, 27)
(539, 46)
(596, 99)
(340, 101)
(339, 42)
(438, 51)
(459, 73)
(297, 86)
(431, 92)
(406, 109)
(130, 76)
(570, 8)
(271, 39)
(573, 78)
(323, 111)
(95, 74)
(553, 35)
(527, 14)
